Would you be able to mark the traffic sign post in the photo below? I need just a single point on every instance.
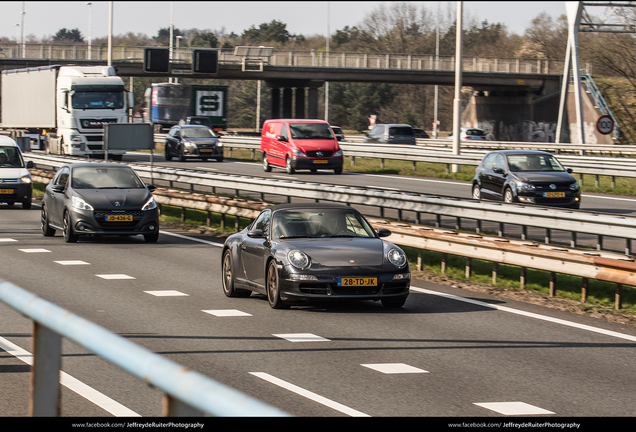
(605, 124)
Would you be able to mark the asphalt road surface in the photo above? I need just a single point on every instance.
(447, 353)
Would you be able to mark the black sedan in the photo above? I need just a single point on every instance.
(99, 199)
(526, 176)
(193, 141)
(299, 253)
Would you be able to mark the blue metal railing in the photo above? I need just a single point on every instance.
(186, 390)
(599, 101)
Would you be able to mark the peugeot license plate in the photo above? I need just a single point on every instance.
(119, 218)
(357, 281)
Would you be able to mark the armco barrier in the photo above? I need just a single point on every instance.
(579, 221)
(187, 393)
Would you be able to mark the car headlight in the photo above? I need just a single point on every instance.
(298, 153)
(338, 153)
(396, 257)
(574, 186)
(298, 259)
(76, 138)
(80, 204)
(151, 204)
(26, 179)
(525, 187)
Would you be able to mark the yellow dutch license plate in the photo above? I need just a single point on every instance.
(357, 281)
(320, 161)
(554, 194)
(6, 191)
(119, 218)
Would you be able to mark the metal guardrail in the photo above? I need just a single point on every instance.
(440, 151)
(297, 58)
(587, 264)
(573, 221)
(187, 393)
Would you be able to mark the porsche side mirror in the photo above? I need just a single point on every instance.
(255, 233)
(383, 232)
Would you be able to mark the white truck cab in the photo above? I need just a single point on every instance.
(15, 179)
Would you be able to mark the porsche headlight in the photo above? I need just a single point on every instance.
(396, 257)
(80, 204)
(298, 259)
(151, 204)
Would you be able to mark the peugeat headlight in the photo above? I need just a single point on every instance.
(151, 204)
(80, 204)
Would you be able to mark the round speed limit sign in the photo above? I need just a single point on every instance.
(605, 124)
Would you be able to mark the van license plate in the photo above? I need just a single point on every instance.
(320, 161)
(119, 218)
(554, 194)
(357, 281)
(6, 191)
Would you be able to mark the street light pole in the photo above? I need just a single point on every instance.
(327, 53)
(110, 33)
(90, 31)
(22, 33)
(457, 102)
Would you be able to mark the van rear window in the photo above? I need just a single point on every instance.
(310, 131)
(400, 131)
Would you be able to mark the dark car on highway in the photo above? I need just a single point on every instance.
(299, 253)
(526, 176)
(193, 141)
(391, 134)
(99, 199)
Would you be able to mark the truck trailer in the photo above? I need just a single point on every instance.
(168, 104)
(65, 106)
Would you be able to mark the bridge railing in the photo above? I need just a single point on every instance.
(187, 393)
(311, 58)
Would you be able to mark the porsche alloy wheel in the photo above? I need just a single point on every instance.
(273, 287)
(228, 278)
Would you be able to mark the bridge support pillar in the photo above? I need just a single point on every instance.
(299, 98)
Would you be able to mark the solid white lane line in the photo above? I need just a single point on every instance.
(530, 314)
(73, 384)
(309, 395)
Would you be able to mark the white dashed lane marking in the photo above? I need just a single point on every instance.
(227, 313)
(114, 276)
(301, 337)
(394, 368)
(513, 408)
(166, 293)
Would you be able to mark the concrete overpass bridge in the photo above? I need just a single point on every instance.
(505, 91)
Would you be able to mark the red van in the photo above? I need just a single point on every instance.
(296, 144)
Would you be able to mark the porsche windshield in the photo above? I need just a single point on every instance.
(310, 131)
(321, 224)
(105, 178)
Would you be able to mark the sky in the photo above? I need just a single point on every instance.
(308, 18)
